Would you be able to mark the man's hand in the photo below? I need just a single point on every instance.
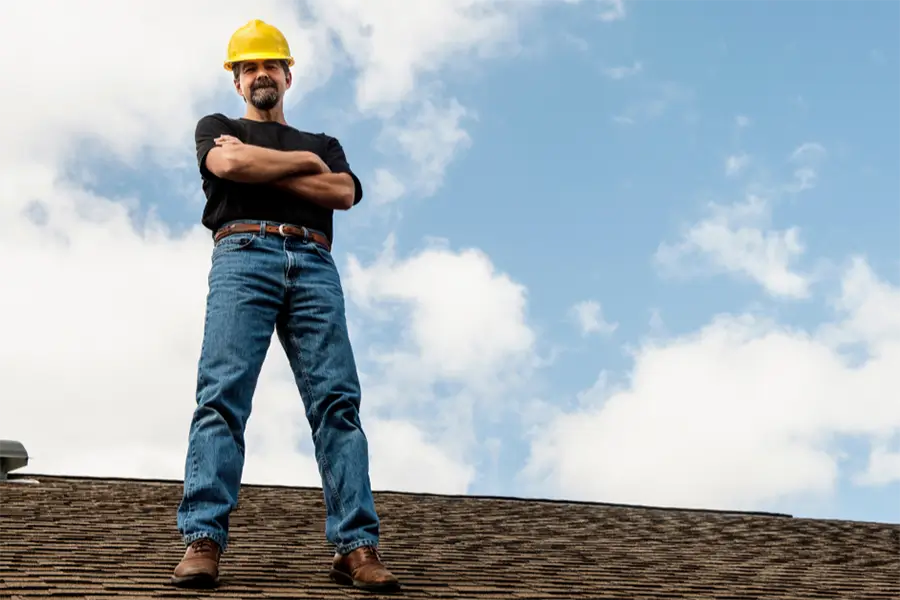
(227, 140)
(320, 165)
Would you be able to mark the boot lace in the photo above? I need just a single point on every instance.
(371, 551)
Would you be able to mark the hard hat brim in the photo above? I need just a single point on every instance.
(229, 64)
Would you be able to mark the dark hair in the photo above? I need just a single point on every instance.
(236, 69)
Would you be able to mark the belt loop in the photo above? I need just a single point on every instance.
(305, 234)
(262, 229)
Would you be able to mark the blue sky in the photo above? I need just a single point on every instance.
(591, 144)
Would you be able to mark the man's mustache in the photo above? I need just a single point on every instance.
(262, 83)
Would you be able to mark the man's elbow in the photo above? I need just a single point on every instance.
(347, 198)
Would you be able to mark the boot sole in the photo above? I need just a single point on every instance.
(341, 578)
(200, 581)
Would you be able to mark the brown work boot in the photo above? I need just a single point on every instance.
(363, 568)
(200, 566)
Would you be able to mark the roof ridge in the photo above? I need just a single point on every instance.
(534, 500)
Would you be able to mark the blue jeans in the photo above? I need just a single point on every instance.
(258, 284)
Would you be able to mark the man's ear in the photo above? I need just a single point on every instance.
(289, 77)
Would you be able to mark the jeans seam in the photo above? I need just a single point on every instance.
(288, 264)
(221, 248)
(326, 465)
(218, 538)
(324, 254)
(348, 548)
(190, 491)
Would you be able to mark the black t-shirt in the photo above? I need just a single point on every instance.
(230, 200)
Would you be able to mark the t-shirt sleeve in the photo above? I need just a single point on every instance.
(336, 160)
(208, 129)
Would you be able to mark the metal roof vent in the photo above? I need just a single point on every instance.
(12, 456)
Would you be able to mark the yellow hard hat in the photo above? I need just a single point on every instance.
(257, 41)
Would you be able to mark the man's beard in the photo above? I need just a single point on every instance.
(264, 94)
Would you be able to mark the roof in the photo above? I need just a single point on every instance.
(84, 537)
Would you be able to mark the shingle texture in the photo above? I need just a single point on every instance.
(87, 538)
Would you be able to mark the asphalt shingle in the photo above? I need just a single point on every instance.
(103, 538)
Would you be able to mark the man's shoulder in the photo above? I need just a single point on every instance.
(214, 123)
(216, 116)
(320, 141)
(321, 136)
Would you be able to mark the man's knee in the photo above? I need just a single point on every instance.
(212, 413)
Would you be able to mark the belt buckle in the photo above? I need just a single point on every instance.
(281, 230)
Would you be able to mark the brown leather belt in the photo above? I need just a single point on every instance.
(283, 230)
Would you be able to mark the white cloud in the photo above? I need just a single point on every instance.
(738, 239)
(390, 52)
(735, 164)
(808, 152)
(449, 346)
(743, 414)
(430, 138)
(610, 10)
(403, 459)
(807, 157)
(588, 314)
(742, 121)
(872, 306)
(465, 320)
(622, 72)
(106, 316)
(658, 99)
(656, 324)
(386, 187)
(614, 10)
(884, 467)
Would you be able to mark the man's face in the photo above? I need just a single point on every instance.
(262, 83)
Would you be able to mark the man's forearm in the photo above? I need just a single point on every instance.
(255, 164)
(331, 190)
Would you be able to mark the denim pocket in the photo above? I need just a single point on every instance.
(231, 243)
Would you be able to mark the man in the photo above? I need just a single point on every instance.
(271, 192)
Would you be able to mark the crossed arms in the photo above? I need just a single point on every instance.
(300, 172)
